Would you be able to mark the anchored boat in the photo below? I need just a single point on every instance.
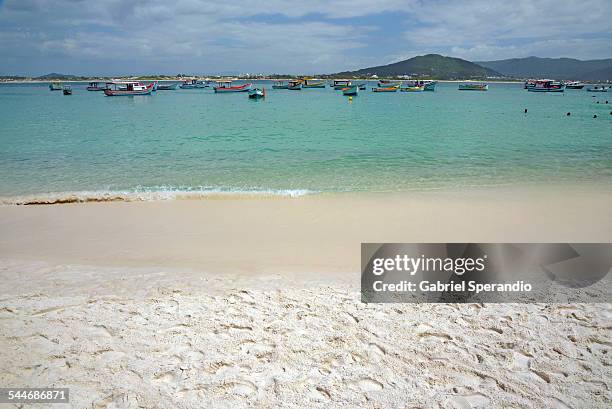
(350, 90)
(340, 84)
(473, 87)
(429, 85)
(55, 86)
(313, 84)
(226, 86)
(574, 85)
(95, 86)
(193, 83)
(295, 85)
(393, 88)
(67, 90)
(413, 88)
(127, 88)
(256, 93)
(388, 83)
(280, 85)
(167, 87)
(597, 88)
(547, 86)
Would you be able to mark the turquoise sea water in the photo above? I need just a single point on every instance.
(313, 140)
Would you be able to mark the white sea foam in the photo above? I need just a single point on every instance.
(149, 194)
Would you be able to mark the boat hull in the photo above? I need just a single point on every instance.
(192, 86)
(350, 91)
(473, 88)
(257, 93)
(387, 84)
(412, 89)
(280, 86)
(163, 87)
(236, 88)
(574, 86)
(126, 93)
(95, 89)
(545, 89)
(430, 86)
(314, 85)
(385, 89)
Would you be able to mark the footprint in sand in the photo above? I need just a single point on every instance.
(376, 349)
(164, 377)
(468, 401)
(319, 394)
(367, 384)
(243, 388)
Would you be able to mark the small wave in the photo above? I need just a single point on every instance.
(148, 196)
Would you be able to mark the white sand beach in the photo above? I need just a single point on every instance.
(255, 303)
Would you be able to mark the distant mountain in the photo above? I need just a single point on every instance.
(604, 74)
(430, 65)
(558, 68)
(56, 76)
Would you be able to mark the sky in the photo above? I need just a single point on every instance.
(124, 37)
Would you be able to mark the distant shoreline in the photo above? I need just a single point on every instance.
(505, 81)
(246, 79)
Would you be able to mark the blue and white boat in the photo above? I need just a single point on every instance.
(547, 86)
(194, 83)
(429, 85)
(598, 88)
(257, 93)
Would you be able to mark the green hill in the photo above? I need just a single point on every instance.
(558, 68)
(56, 76)
(430, 65)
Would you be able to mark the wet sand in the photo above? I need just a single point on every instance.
(319, 233)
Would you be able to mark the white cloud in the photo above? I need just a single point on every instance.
(129, 36)
(498, 29)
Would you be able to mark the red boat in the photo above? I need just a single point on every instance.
(126, 88)
(226, 86)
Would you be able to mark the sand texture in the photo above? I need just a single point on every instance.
(202, 341)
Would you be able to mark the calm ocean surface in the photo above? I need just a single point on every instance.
(294, 142)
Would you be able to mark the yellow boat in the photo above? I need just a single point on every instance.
(386, 89)
(412, 89)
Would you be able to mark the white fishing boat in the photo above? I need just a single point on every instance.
(340, 84)
(598, 88)
(127, 88)
(574, 85)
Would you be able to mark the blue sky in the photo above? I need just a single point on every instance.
(111, 37)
